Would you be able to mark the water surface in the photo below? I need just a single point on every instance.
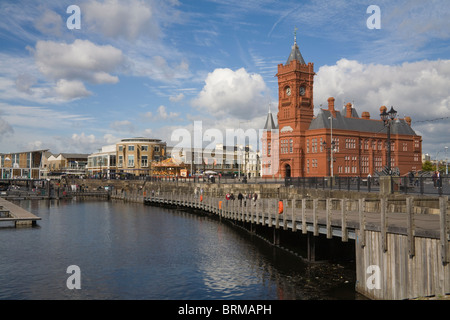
(132, 251)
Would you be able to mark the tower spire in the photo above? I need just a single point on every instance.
(295, 35)
(295, 53)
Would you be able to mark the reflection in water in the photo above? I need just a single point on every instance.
(131, 251)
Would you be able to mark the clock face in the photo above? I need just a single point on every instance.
(288, 91)
(302, 91)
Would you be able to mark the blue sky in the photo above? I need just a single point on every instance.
(147, 68)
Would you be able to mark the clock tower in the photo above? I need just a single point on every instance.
(295, 111)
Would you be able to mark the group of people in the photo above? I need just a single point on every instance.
(242, 198)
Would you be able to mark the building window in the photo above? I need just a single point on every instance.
(156, 149)
(314, 145)
(120, 163)
(120, 148)
(144, 148)
(378, 163)
(307, 165)
(144, 161)
(291, 146)
(131, 148)
(307, 145)
(350, 143)
(405, 146)
(131, 161)
(336, 144)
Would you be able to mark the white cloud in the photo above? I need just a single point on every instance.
(177, 98)
(121, 19)
(70, 90)
(110, 139)
(83, 139)
(418, 90)
(123, 125)
(161, 114)
(50, 23)
(81, 60)
(5, 128)
(235, 94)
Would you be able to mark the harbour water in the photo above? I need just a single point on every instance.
(132, 251)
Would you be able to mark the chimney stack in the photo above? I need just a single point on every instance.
(365, 115)
(408, 120)
(348, 109)
(331, 106)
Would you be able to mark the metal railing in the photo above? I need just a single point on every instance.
(419, 185)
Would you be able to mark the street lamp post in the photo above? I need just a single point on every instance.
(387, 118)
(446, 161)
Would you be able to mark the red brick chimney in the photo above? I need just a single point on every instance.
(408, 120)
(348, 109)
(365, 115)
(331, 106)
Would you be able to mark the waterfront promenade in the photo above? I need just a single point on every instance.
(410, 250)
(403, 236)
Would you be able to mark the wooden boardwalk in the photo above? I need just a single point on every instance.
(333, 217)
(11, 212)
(410, 250)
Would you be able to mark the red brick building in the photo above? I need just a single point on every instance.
(304, 140)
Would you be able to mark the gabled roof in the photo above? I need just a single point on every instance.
(399, 126)
(74, 155)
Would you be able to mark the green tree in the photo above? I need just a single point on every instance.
(427, 166)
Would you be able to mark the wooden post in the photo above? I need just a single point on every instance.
(304, 231)
(315, 224)
(444, 229)
(410, 225)
(383, 230)
(362, 222)
(270, 209)
(262, 211)
(344, 220)
(294, 222)
(329, 232)
(275, 211)
(311, 243)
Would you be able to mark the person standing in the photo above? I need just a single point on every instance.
(255, 197)
(227, 198)
(240, 197)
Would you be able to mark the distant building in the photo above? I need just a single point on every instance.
(224, 160)
(335, 142)
(135, 155)
(129, 156)
(103, 162)
(24, 165)
(65, 164)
